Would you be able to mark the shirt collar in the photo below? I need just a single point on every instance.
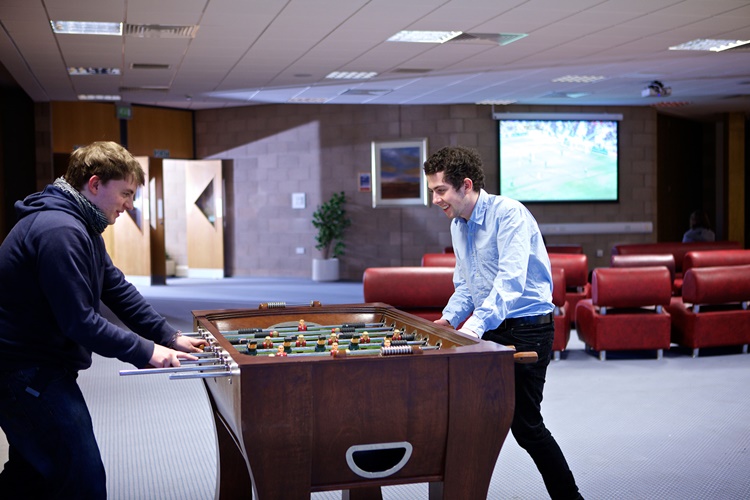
(480, 209)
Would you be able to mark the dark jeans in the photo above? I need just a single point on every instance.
(528, 425)
(52, 449)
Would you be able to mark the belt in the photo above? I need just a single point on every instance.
(542, 319)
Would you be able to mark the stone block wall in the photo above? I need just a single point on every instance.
(321, 149)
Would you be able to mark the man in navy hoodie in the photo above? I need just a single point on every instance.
(54, 273)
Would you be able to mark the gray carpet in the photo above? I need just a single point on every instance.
(631, 427)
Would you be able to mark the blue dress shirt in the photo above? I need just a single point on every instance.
(502, 267)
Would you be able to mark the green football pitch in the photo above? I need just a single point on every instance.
(542, 170)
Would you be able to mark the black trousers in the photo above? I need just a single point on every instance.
(528, 425)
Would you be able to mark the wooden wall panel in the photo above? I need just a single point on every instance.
(80, 123)
(160, 128)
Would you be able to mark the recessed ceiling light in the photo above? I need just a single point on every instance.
(708, 44)
(568, 95)
(578, 79)
(496, 102)
(351, 75)
(98, 97)
(86, 28)
(309, 100)
(424, 36)
(93, 71)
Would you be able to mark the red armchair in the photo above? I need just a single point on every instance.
(715, 258)
(626, 310)
(577, 284)
(648, 260)
(713, 310)
(561, 314)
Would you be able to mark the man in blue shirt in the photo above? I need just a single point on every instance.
(503, 285)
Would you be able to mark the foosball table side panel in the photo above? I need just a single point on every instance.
(482, 401)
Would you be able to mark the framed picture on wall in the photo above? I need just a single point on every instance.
(397, 174)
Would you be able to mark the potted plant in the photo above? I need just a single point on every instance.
(331, 221)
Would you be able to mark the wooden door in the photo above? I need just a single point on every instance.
(205, 218)
(128, 239)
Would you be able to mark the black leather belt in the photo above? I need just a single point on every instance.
(542, 319)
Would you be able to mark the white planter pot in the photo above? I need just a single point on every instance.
(325, 270)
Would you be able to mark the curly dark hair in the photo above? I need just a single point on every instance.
(457, 163)
(107, 159)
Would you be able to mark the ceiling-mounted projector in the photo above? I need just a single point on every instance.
(656, 89)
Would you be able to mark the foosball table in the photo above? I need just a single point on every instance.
(352, 398)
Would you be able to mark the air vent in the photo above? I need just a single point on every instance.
(372, 92)
(149, 66)
(413, 71)
(160, 31)
(493, 38)
(145, 88)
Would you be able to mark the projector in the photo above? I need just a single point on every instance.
(656, 89)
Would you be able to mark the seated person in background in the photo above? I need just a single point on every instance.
(700, 228)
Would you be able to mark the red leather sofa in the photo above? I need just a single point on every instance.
(439, 260)
(713, 309)
(422, 291)
(626, 310)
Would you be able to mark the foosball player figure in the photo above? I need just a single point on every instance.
(354, 344)
(334, 348)
(287, 346)
(334, 338)
(301, 342)
(274, 333)
(252, 348)
(365, 338)
(279, 351)
(396, 334)
(321, 345)
(267, 342)
(302, 327)
(387, 341)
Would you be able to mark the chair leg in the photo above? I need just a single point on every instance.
(744, 349)
(695, 352)
(659, 353)
(602, 355)
(556, 355)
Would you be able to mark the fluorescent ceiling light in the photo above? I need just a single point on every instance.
(86, 28)
(578, 79)
(98, 97)
(93, 71)
(351, 75)
(707, 44)
(497, 102)
(310, 100)
(424, 36)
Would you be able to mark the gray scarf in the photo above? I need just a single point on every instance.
(95, 218)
